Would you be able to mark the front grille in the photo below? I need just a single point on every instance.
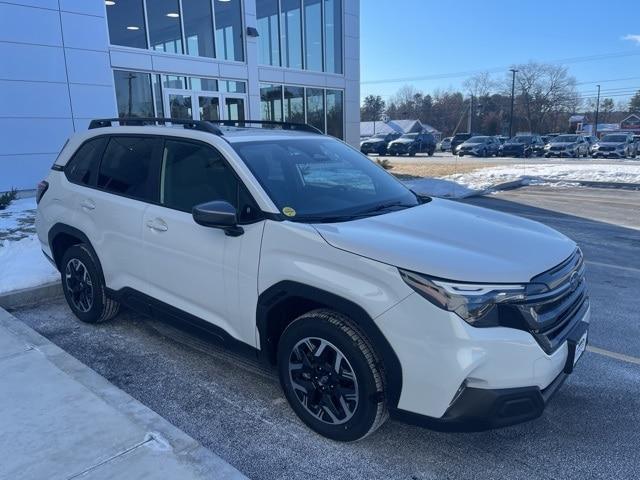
(551, 315)
(607, 149)
(556, 149)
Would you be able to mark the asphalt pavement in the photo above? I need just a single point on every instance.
(234, 406)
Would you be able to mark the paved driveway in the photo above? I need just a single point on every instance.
(235, 407)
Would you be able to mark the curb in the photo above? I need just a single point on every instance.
(30, 296)
(171, 441)
(593, 183)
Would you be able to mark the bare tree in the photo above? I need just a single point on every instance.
(480, 85)
(544, 91)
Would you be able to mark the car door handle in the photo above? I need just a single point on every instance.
(157, 225)
(87, 205)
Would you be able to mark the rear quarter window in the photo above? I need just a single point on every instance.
(83, 165)
(129, 168)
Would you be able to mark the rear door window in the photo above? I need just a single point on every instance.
(129, 168)
(82, 167)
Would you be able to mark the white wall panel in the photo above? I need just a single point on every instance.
(88, 7)
(31, 62)
(93, 101)
(84, 31)
(122, 60)
(34, 99)
(89, 66)
(29, 25)
(33, 135)
(185, 66)
(23, 171)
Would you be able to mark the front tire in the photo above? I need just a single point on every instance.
(84, 287)
(331, 376)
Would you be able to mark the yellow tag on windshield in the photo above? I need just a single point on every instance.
(289, 212)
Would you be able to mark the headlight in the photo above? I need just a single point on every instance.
(475, 303)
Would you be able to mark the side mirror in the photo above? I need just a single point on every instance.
(218, 214)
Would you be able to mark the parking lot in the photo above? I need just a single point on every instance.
(235, 407)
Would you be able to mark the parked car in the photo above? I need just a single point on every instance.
(378, 143)
(502, 139)
(293, 248)
(445, 144)
(459, 139)
(412, 143)
(567, 145)
(522, 146)
(615, 145)
(479, 146)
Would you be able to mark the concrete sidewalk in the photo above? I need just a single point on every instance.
(61, 420)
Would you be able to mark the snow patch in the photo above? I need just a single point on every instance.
(22, 265)
(483, 181)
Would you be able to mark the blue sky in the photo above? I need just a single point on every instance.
(414, 38)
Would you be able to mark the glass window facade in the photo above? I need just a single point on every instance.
(269, 32)
(319, 107)
(310, 33)
(333, 36)
(126, 24)
(291, 25)
(313, 34)
(335, 113)
(315, 108)
(271, 102)
(229, 35)
(294, 104)
(198, 27)
(165, 32)
(133, 94)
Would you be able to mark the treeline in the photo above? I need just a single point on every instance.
(545, 97)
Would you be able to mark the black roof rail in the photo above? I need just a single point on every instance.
(200, 125)
(303, 127)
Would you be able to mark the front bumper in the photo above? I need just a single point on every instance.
(610, 154)
(455, 376)
(374, 148)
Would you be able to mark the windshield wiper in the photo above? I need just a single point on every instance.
(384, 206)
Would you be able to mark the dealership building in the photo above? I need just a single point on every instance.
(65, 62)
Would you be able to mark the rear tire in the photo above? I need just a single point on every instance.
(331, 376)
(84, 287)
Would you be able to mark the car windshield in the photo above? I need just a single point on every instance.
(521, 139)
(322, 180)
(566, 139)
(410, 135)
(614, 138)
(478, 139)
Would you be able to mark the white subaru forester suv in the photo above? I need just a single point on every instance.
(296, 248)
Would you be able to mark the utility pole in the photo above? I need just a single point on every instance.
(470, 121)
(595, 126)
(513, 91)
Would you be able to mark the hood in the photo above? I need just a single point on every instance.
(610, 144)
(468, 144)
(514, 144)
(561, 144)
(373, 140)
(454, 241)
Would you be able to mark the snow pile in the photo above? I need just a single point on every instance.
(483, 180)
(22, 263)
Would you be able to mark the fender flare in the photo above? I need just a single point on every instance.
(284, 290)
(63, 228)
